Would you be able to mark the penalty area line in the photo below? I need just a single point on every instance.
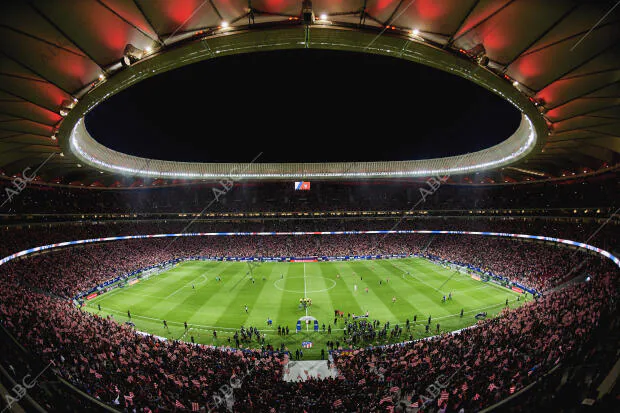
(191, 282)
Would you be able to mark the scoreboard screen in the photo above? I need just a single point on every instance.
(302, 186)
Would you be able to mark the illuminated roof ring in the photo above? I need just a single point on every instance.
(530, 134)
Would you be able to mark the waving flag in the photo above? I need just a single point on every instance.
(443, 398)
(386, 399)
(129, 400)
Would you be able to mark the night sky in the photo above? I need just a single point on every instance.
(302, 105)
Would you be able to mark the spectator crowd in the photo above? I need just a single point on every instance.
(477, 367)
(69, 271)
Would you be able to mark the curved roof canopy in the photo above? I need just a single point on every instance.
(558, 62)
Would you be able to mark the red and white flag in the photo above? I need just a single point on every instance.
(302, 186)
(129, 400)
(386, 399)
(178, 404)
(443, 398)
(338, 403)
(195, 407)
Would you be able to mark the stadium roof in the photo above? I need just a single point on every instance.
(557, 61)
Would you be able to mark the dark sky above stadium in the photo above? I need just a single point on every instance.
(302, 106)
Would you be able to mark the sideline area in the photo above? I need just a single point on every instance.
(306, 369)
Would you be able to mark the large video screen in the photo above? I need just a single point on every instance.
(302, 186)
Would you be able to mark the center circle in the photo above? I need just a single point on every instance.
(277, 284)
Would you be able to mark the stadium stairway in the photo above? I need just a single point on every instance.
(304, 370)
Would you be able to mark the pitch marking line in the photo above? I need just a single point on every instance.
(472, 311)
(425, 283)
(305, 292)
(185, 333)
(210, 328)
(464, 278)
(185, 285)
(205, 278)
(159, 277)
(174, 323)
(106, 294)
(149, 296)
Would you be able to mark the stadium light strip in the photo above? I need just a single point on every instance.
(87, 157)
(580, 245)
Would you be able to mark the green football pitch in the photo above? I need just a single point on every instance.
(190, 292)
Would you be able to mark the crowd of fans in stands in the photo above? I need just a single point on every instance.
(69, 271)
(478, 366)
(19, 237)
(111, 360)
(485, 364)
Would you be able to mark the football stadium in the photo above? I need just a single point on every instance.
(309, 206)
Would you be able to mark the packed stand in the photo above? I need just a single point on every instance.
(352, 196)
(68, 271)
(478, 366)
(19, 237)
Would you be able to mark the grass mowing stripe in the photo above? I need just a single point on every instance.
(208, 308)
(347, 277)
(184, 304)
(186, 284)
(219, 305)
(440, 308)
(287, 313)
(305, 288)
(123, 316)
(244, 293)
(423, 282)
(465, 279)
(324, 309)
(211, 327)
(269, 298)
(387, 292)
(417, 297)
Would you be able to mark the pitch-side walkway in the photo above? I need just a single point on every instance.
(303, 370)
